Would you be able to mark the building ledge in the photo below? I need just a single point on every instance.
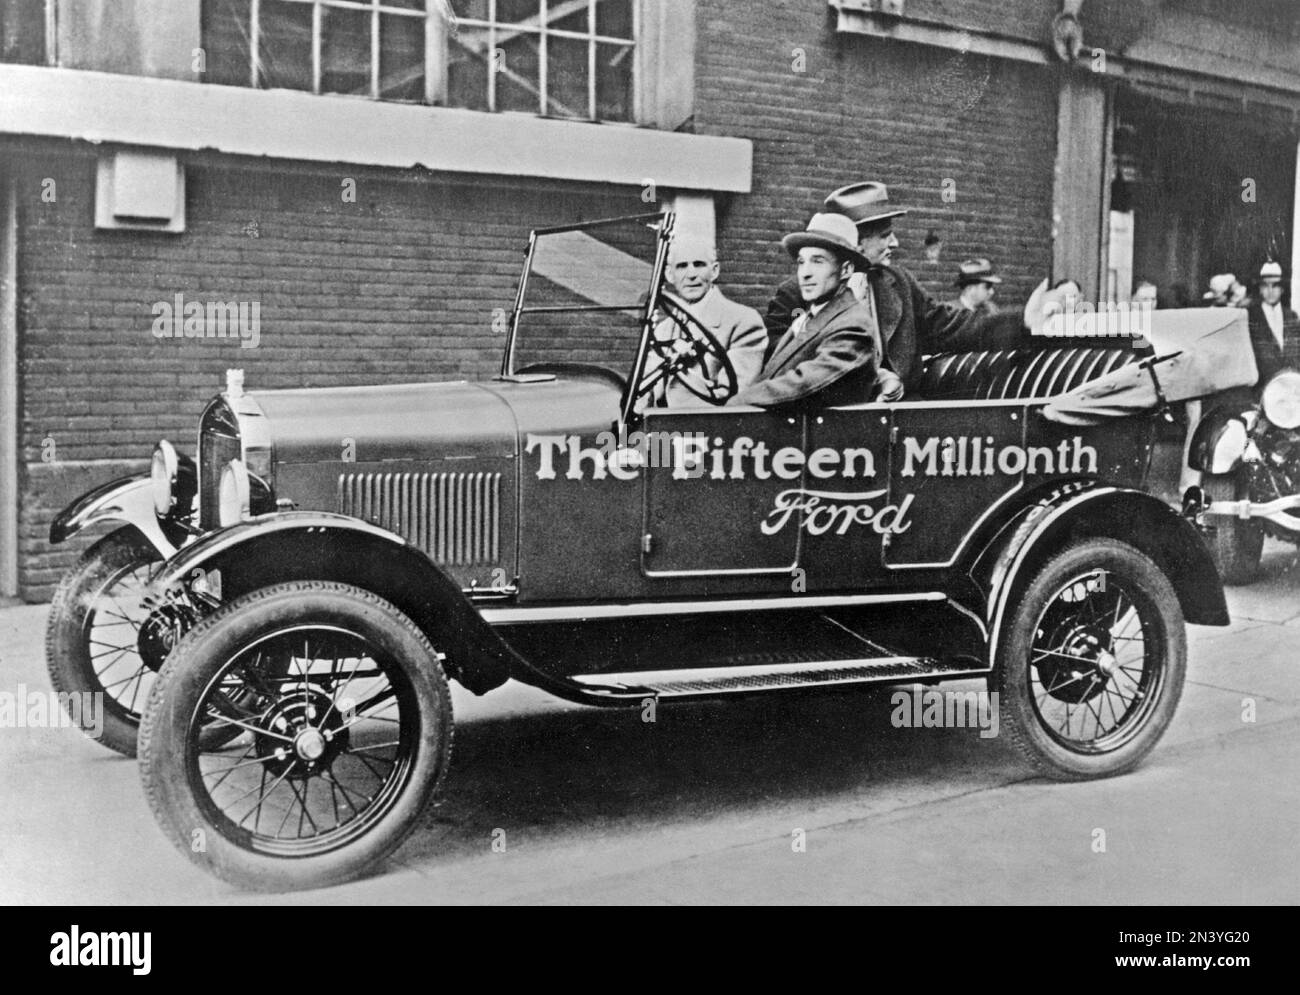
(286, 124)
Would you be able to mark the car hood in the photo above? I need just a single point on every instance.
(450, 420)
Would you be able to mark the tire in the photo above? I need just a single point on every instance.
(1236, 544)
(240, 666)
(91, 636)
(1068, 659)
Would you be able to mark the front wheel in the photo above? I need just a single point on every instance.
(98, 639)
(344, 731)
(1236, 544)
(1093, 661)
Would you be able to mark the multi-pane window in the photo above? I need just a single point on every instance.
(372, 48)
(565, 58)
(562, 58)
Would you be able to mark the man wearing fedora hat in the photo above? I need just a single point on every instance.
(831, 349)
(977, 283)
(910, 321)
(1274, 329)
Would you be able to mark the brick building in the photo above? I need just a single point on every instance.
(365, 171)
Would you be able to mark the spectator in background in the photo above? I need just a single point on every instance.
(1146, 293)
(978, 283)
(1068, 292)
(1225, 291)
(1274, 329)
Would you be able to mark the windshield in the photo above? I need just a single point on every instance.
(583, 293)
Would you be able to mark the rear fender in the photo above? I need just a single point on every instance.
(1084, 511)
(303, 545)
(127, 499)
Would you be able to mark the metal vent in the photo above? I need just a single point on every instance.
(454, 517)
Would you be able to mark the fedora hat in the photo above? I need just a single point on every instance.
(1270, 272)
(976, 271)
(863, 203)
(828, 231)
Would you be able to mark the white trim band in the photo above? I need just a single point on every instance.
(287, 124)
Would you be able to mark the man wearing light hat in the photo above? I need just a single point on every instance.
(910, 321)
(1274, 329)
(831, 349)
(978, 282)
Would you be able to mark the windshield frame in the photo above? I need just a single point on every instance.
(663, 224)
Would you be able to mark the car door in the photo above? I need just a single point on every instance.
(722, 488)
(951, 464)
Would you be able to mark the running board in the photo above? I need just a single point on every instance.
(707, 681)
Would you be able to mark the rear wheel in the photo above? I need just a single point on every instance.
(1236, 544)
(344, 727)
(1093, 662)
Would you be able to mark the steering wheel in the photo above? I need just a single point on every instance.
(682, 357)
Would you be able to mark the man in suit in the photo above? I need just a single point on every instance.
(692, 272)
(1274, 329)
(831, 351)
(976, 284)
(910, 322)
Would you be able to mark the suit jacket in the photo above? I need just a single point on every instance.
(1269, 356)
(912, 323)
(836, 357)
(738, 329)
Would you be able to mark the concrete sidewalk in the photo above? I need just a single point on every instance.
(702, 808)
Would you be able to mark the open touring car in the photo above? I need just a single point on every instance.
(310, 583)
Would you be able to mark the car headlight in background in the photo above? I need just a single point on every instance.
(163, 469)
(233, 500)
(1281, 399)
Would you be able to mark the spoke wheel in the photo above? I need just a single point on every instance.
(1093, 662)
(342, 720)
(93, 637)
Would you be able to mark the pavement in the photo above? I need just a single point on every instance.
(809, 799)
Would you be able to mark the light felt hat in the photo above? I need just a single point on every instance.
(835, 232)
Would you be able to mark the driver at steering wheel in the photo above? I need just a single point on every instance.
(739, 330)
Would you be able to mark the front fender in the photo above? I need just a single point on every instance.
(127, 499)
(1203, 454)
(309, 545)
(1097, 511)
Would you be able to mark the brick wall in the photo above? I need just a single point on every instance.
(863, 108)
(399, 286)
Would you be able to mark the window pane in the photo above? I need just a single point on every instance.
(224, 34)
(614, 18)
(476, 10)
(509, 11)
(577, 20)
(467, 68)
(401, 58)
(517, 79)
(284, 45)
(614, 82)
(345, 51)
(567, 77)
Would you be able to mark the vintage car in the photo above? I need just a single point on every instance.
(306, 587)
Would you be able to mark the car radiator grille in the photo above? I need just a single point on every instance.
(454, 517)
(215, 451)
